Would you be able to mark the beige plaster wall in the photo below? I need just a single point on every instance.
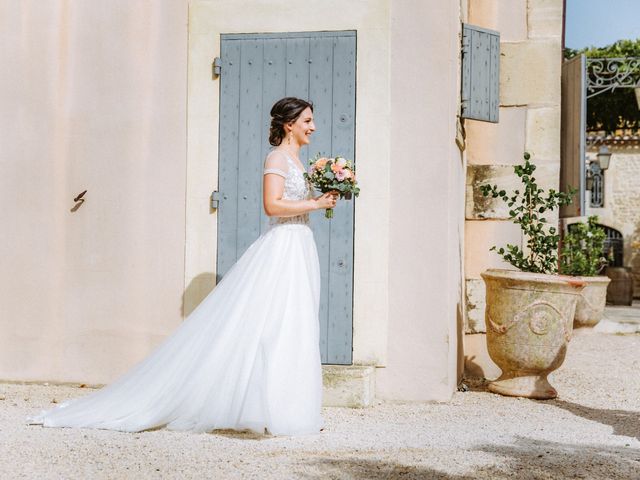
(93, 98)
(427, 182)
(530, 64)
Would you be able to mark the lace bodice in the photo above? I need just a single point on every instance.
(296, 187)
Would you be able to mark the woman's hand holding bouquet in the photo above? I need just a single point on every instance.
(333, 175)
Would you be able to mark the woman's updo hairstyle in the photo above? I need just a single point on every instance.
(285, 110)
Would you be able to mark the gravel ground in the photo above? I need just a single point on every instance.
(591, 431)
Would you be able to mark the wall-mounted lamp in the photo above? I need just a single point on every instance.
(594, 181)
(604, 157)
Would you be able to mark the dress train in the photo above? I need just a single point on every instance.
(247, 357)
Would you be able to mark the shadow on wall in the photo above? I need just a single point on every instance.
(199, 287)
(525, 458)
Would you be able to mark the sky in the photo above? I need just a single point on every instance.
(601, 22)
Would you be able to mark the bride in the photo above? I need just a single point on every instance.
(248, 356)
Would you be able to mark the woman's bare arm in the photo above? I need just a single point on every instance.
(273, 189)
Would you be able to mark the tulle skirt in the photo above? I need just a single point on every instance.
(247, 357)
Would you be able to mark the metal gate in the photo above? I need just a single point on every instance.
(257, 70)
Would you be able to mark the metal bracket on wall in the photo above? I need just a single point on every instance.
(217, 67)
(215, 199)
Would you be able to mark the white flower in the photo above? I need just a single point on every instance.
(341, 161)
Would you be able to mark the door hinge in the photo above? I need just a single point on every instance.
(215, 199)
(466, 44)
(217, 67)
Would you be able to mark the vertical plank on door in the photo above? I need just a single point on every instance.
(273, 89)
(321, 93)
(251, 135)
(228, 165)
(340, 283)
(297, 76)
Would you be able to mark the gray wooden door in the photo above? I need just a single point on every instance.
(257, 70)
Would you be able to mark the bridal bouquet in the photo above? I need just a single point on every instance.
(333, 173)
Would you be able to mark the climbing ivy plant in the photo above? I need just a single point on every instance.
(527, 208)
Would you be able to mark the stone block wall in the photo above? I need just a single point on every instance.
(530, 68)
(622, 203)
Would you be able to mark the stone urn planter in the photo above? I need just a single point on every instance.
(529, 319)
(591, 302)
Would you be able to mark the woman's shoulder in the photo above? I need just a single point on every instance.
(276, 159)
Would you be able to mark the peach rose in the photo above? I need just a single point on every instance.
(321, 162)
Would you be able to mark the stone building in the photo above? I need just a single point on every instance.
(620, 206)
(121, 100)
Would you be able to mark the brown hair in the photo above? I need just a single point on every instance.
(285, 110)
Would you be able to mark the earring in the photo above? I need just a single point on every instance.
(289, 137)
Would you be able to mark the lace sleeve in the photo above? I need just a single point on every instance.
(276, 171)
(276, 162)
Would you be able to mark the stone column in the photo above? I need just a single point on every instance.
(530, 67)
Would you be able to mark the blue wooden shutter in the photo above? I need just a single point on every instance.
(480, 73)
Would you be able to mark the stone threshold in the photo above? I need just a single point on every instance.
(343, 385)
(348, 385)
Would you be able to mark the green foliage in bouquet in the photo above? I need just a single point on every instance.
(324, 178)
(527, 209)
(582, 249)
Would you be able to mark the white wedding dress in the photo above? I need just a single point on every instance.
(247, 357)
